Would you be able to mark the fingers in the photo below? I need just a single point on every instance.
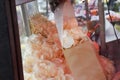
(84, 39)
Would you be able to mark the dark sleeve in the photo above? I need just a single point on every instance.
(55, 3)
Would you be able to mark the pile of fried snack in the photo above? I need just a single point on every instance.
(43, 58)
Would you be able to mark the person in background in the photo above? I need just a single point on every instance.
(112, 39)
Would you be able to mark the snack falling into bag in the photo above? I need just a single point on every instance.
(79, 52)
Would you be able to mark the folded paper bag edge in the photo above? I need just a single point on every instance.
(73, 59)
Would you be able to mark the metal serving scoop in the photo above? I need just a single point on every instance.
(63, 13)
(59, 20)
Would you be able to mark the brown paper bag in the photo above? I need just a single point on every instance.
(83, 62)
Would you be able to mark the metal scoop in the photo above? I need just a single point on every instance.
(59, 20)
(63, 13)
